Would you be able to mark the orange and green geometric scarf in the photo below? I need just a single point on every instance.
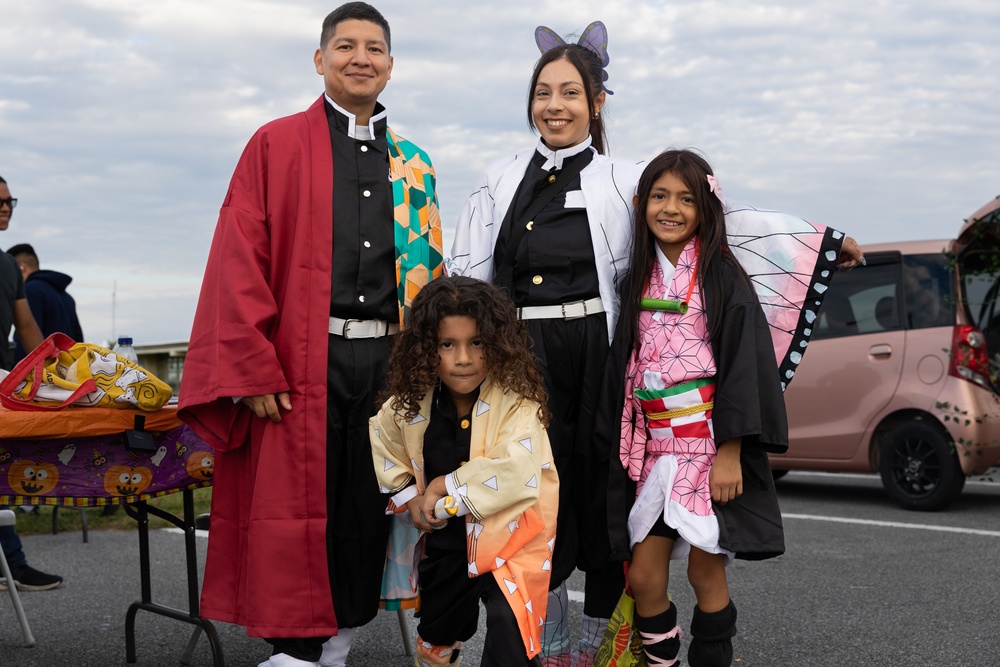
(418, 243)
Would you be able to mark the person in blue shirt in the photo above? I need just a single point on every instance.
(51, 306)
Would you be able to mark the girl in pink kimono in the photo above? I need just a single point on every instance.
(461, 443)
(703, 405)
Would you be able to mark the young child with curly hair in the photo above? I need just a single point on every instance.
(461, 443)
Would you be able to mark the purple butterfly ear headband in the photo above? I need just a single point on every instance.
(594, 39)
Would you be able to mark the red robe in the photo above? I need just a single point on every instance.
(261, 327)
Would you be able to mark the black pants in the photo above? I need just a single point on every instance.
(357, 527)
(449, 609)
(572, 355)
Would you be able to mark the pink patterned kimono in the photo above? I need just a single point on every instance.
(790, 263)
(671, 457)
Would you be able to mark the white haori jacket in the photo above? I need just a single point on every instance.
(608, 186)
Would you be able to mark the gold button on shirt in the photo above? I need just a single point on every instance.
(465, 423)
(537, 280)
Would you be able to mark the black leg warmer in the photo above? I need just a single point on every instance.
(712, 637)
(661, 638)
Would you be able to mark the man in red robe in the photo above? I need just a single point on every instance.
(329, 228)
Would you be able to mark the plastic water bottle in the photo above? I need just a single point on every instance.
(123, 348)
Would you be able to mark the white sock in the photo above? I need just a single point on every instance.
(335, 649)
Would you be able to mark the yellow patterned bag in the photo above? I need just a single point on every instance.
(621, 645)
(60, 372)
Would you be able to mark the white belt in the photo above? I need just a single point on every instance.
(565, 311)
(362, 328)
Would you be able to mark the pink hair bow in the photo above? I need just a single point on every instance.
(716, 189)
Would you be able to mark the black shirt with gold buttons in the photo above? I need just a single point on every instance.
(554, 262)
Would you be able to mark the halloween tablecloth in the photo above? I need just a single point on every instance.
(78, 457)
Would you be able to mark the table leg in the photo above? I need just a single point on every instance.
(140, 512)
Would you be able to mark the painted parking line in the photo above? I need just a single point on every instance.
(894, 524)
(178, 531)
(989, 478)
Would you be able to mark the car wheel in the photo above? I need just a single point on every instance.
(919, 468)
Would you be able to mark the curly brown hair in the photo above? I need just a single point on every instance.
(413, 365)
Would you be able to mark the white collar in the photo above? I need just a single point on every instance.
(665, 265)
(355, 131)
(554, 159)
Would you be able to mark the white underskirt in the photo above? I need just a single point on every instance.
(654, 501)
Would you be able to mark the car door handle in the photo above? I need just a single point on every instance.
(883, 350)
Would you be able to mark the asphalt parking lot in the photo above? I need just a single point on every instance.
(863, 583)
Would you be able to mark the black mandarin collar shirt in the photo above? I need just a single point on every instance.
(554, 262)
(364, 251)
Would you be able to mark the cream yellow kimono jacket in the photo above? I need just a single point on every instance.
(509, 485)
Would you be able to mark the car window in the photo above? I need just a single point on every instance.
(862, 301)
(927, 284)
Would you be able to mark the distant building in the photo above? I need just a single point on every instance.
(164, 360)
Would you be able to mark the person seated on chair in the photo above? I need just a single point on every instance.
(26, 578)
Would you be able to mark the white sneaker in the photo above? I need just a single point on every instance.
(285, 660)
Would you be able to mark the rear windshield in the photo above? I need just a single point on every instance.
(980, 271)
(980, 285)
(891, 293)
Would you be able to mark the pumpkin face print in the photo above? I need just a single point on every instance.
(201, 465)
(126, 480)
(31, 478)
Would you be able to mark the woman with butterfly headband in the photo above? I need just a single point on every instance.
(553, 226)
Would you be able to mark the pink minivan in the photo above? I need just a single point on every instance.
(901, 374)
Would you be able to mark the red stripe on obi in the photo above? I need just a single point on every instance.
(693, 424)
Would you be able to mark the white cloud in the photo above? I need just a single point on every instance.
(121, 121)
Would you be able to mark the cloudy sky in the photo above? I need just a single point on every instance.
(121, 120)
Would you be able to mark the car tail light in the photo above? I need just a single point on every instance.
(969, 359)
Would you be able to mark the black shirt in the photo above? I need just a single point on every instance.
(554, 262)
(364, 250)
(11, 290)
(447, 441)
